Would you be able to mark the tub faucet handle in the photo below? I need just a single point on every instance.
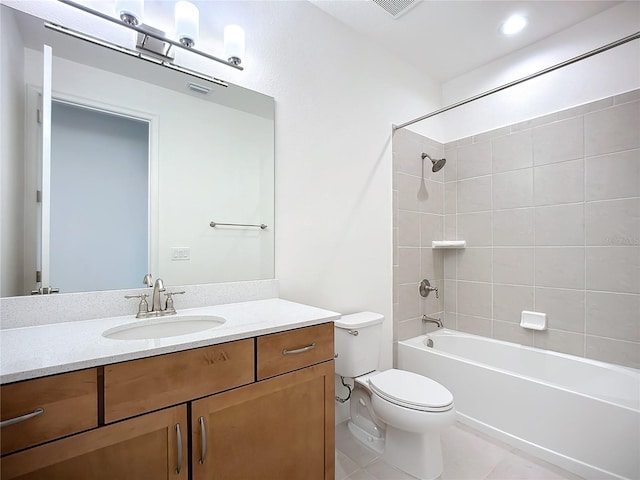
(426, 288)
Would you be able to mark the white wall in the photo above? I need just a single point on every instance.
(11, 174)
(610, 73)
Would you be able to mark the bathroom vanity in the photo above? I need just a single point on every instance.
(256, 401)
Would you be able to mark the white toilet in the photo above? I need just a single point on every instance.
(397, 414)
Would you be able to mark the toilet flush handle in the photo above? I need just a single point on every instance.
(353, 332)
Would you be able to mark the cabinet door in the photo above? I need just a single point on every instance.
(278, 429)
(145, 447)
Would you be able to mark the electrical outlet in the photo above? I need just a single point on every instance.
(180, 253)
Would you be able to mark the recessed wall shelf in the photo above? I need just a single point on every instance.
(449, 244)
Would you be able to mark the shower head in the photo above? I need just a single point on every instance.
(437, 163)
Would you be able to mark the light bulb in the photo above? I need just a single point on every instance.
(514, 24)
(187, 23)
(234, 44)
(130, 11)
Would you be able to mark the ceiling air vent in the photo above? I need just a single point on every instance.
(396, 8)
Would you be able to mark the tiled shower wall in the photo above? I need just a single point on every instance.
(550, 211)
(418, 219)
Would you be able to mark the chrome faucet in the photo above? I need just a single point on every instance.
(437, 321)
(158, 287)
(155, 309)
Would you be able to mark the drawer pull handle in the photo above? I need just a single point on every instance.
(203, 440)
(179, 440)
(299, 350)
(11, 421)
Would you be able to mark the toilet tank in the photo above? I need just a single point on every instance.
(357, 343)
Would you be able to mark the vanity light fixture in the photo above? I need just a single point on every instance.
(187, 23)
(130, 11)
(514, 24)
(153, 42)
(234, 44)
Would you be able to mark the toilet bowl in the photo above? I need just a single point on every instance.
(397, 414)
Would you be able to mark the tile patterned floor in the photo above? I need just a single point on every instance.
(468, 455)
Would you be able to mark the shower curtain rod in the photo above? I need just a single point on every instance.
(557, 66)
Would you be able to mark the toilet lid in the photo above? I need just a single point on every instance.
(411, 390)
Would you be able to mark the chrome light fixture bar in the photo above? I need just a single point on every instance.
(150, 33)
(133, 53)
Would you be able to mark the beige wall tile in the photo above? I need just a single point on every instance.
(613, 176)
(408, 265)
(474, 299)
(560, 267)
(560, 225)
(512, 152)
(431, 228)
(560, 341)
(513, 227)
(408, 302)
(612, 130)
(474, 325)
(613, 222)
(613, 269)
(565, 309)
(408, 228)
(558, 141)
(474, 195)
(512, 332)
(513, 266)
(613, 315)
(510, 300)
(475, 229)
(513, 189)
(451, 167)
(474, 160)
(613, 351)
(475, 264)
(559, 183)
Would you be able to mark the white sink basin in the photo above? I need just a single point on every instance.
(163, 327)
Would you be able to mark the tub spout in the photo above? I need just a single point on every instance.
(437, 321)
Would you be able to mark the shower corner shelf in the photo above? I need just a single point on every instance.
(448, 244)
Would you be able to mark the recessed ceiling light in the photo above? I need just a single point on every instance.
(514, 24)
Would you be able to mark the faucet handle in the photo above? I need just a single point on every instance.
(169, 308)
(143, 307)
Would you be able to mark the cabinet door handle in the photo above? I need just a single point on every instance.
(11, 421)
(203, 440)
(299, 350)
(179, 440)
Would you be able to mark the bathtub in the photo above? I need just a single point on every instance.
(580, 414)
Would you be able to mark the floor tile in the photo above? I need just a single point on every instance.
(382, 471)
(351, 448)
(521, 466)
(469, 456)
(344, 466)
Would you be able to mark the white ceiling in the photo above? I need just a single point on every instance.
(445, 39)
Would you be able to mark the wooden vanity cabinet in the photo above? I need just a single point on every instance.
(144, 447)
(48, 408)
(279, 426)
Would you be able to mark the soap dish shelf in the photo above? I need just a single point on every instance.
(448, 244)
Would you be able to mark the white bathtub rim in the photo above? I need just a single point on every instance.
(572, 465)
(417, 343)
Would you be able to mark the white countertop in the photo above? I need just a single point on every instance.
(31, 352)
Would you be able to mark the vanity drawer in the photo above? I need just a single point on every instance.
(140, 386)
(286, 351)
(69, 404)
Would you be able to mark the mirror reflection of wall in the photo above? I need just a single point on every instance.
(210, 158)
(99, 199)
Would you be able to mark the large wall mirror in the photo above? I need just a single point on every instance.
(142, 159)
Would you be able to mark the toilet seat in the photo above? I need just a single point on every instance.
(410, 390)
